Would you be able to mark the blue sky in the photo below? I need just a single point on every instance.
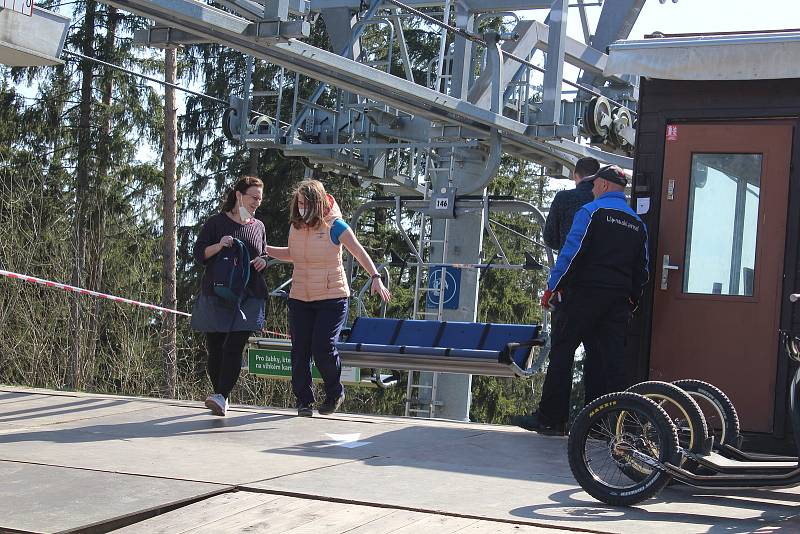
(700, 16)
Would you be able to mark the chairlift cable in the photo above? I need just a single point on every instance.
(145, 76)
(156, 80)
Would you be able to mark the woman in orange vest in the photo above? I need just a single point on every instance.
(318, 298)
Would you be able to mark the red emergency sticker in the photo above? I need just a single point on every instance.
(672, 132)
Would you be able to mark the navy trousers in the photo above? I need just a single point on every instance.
(315, 328)
(598, 319)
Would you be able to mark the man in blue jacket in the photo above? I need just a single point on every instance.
(596, 284)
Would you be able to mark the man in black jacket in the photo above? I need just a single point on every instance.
(567, 202)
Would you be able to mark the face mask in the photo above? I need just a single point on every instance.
(244, 215)
(301, 211)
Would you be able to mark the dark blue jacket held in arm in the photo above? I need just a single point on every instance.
(606, 248)
(562, 211)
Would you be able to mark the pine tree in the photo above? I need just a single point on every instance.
(169, 238)
(81, 133)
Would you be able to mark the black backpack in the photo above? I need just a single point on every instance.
(230, 272)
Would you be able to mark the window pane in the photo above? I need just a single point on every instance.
(722, 224)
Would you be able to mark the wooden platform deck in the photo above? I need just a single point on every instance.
(72, 462)
(261, 512)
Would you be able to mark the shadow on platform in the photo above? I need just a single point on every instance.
(462, 469)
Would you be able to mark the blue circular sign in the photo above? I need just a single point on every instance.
(450, 288)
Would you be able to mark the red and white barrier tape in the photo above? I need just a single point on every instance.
(81, 291)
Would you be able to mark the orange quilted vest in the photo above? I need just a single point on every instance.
(318, 271)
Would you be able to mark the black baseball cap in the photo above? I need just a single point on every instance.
(612, 173)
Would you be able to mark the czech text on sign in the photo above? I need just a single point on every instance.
(278, 364)
(22, 6)
(448, 291)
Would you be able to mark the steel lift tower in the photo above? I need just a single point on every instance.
(439, 140)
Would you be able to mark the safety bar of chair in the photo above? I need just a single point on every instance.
(505, 355)
(286, 345)
(409, 362)
(271, 343)
(359, 299)
(528, 372)
(389, 382)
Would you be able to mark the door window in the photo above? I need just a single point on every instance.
(722, 224)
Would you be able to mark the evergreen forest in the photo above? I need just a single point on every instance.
(101, 188)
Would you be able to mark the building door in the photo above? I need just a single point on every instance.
(718, 266)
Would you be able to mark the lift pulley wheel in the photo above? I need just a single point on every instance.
(597, 119)
(622, 119)
(230, 125)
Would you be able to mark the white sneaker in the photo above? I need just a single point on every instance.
(217, 404)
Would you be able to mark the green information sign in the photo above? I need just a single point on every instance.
(278, 364)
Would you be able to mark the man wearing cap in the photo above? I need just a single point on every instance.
(556, 227)
(596, 283)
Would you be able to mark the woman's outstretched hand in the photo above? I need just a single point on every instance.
(380, 289)
(259, 263)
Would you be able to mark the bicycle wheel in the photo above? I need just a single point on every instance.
(621, 432)
(720, 414)
(681, 409)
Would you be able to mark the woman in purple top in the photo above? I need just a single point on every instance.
(227, 326)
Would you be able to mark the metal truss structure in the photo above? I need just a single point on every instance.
(436, 140)
(483, 91)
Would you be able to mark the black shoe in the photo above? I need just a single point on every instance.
(534, 424)
(329, 406)
(304, 410)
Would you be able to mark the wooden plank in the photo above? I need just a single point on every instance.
(441, 524)
(338, 517)
(274, 516)
(389, 523)
(496, 527)
(261, 512)
(200, 513)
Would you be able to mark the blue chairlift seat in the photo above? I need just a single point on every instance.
(448, 346)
